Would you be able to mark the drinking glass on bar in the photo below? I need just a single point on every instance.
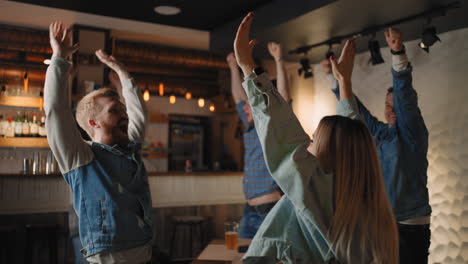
(231, 230)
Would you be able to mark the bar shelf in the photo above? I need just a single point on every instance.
(24, 142)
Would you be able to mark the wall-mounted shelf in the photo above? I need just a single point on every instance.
(21, 101)
(24, 142)
(158, 118)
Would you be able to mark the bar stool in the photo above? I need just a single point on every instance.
(41, 244)
(194, 224)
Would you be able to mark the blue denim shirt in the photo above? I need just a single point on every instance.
(110, 188)
(402, 149)
(257, 180)
(111, 196)
(295, 230)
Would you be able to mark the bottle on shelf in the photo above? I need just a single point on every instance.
(42, 129)
(25, 126)
(18, 125)
(10, 129)
(3, 91)
(2, 126)
(33, 127)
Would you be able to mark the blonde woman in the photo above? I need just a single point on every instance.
(335, 208)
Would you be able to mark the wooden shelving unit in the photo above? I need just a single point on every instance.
(21, 101)
(24, 142)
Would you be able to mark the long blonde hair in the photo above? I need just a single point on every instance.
(363, 228)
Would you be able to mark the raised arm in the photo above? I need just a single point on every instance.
(371, 121)
(342, 71)
(283, 139)
(281, 76)
(236, 80)
(62, 134)
(405, 100)
(136, 108)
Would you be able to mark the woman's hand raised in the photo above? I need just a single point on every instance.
(243, 47)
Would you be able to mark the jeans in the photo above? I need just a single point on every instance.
(414, 243)
(79, 259)
(250, 222)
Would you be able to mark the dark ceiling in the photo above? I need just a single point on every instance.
(294, 23)
(200, 14)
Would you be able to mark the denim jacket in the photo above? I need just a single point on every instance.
(110, 187)
(295, 230)
(403, 147)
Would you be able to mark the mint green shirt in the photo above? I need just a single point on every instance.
(295, 230)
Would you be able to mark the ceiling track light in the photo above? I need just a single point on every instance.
(305, 68)
(429, 37)
(374, 49)
(330, 52)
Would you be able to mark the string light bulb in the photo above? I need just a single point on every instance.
(212, 108)
(172, 99)
(146, 95)
(161, 89)
(188, 95)
(201, 102)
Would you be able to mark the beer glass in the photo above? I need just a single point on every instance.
(231, 230)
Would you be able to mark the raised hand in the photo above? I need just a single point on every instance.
(60, 40)
(114, 79)
(344, 68)
(394, 39)
(275, 50)
(114, 64)
(243, 47)
(231, 60)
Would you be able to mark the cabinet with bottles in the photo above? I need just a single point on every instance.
(22, 121)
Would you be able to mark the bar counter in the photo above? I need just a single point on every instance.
(38, 193)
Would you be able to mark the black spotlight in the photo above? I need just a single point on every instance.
(305, 68)
(374, 48)
(429, 37)
(329, 53)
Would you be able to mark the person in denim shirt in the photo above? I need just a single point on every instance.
(334, 206)
(260, 189)
(107, 177)
(402, 144)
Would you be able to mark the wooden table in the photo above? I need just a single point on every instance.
(217, 253)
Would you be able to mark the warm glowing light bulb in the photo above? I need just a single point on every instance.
(188, 95)
(146, 95)
(201, 102)
(161, 89)
(47, 61)
(212, 108)
(172, 99)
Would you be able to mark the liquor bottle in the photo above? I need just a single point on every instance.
(2, 125)
(42, 129)
(25, 126)
(33, 127)
(10, 130)
(3, 91)
(18, 126)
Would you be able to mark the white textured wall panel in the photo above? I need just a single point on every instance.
(441, 80)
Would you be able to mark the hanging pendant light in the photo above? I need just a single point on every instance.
(161, 89)
(146, 95)
(172, 99)
(201, 102)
